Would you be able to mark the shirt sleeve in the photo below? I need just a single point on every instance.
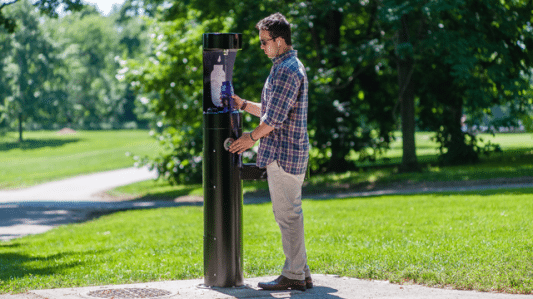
(284, 92)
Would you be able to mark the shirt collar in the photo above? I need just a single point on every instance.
(278, 59)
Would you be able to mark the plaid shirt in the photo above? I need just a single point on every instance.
(284, 107)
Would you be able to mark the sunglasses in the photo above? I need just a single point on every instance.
(264, 42)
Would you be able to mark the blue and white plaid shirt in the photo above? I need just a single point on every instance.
(284, 107)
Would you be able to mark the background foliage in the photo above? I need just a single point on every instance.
(374, 67)
(370, 64)
(63, 72)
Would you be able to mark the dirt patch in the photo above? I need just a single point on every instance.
(189, 199)
(66, 131)
(105, 196)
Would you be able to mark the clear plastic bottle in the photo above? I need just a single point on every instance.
(217, 77)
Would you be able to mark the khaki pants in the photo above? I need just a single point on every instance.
(286, 195)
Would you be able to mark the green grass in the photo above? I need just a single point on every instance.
(515, 161)
(465, 241)
(479, 242)
(46, 156)
(471, 240)
(427, 149)
(156, 190)
(510, 164)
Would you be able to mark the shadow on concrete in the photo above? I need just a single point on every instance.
(17, 220)
(27, 218)
(15, 214)
(248, 292)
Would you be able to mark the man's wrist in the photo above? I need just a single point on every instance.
(252, 137)
(244, 103)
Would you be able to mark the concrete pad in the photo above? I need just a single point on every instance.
(326, 287)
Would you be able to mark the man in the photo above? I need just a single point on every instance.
(284, 146)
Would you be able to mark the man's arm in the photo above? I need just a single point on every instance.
(247, 140)
(251, 107)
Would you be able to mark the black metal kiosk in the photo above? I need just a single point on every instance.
(221, 169)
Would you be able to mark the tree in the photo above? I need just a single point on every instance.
(89, 44)
(48, 7)
(29, 67)
(346, 112)
(67, 68)
(365, 59)
(5, 47)
(456, 65)
(169, 78)
(406, 95)
(351, 102)
(480, 66)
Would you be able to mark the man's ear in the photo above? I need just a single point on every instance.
(278, 41)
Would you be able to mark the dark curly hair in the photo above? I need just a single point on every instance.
(277, 26)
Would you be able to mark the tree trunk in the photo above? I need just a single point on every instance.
(339, 150)
(407, 101)
(459, 152)
(23, 85)
(20, 127)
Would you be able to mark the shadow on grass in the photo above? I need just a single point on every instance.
(377, 195)
(17, 265)
(2, 245)
(510, 166)
(257, 192)
(521, 191)
(31, 144)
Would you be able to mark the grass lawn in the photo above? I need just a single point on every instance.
(479, 241)
(46, 156)
(515, 161)
(427, 148)
(510, 165)
(471, 240)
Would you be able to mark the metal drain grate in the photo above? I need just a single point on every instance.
(129, 293)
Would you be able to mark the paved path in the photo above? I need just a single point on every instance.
(40, 208)
(80, 188)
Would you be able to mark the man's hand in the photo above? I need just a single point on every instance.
(242, 144)
(238, 101)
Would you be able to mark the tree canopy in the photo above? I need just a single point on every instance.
(374, 67)
(48, 7)
(63, 72)
(370, 64)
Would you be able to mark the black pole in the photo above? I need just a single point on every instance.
(221, 169)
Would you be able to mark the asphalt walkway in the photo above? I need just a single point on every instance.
(37, 209)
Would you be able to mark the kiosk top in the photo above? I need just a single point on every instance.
(222, 41)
